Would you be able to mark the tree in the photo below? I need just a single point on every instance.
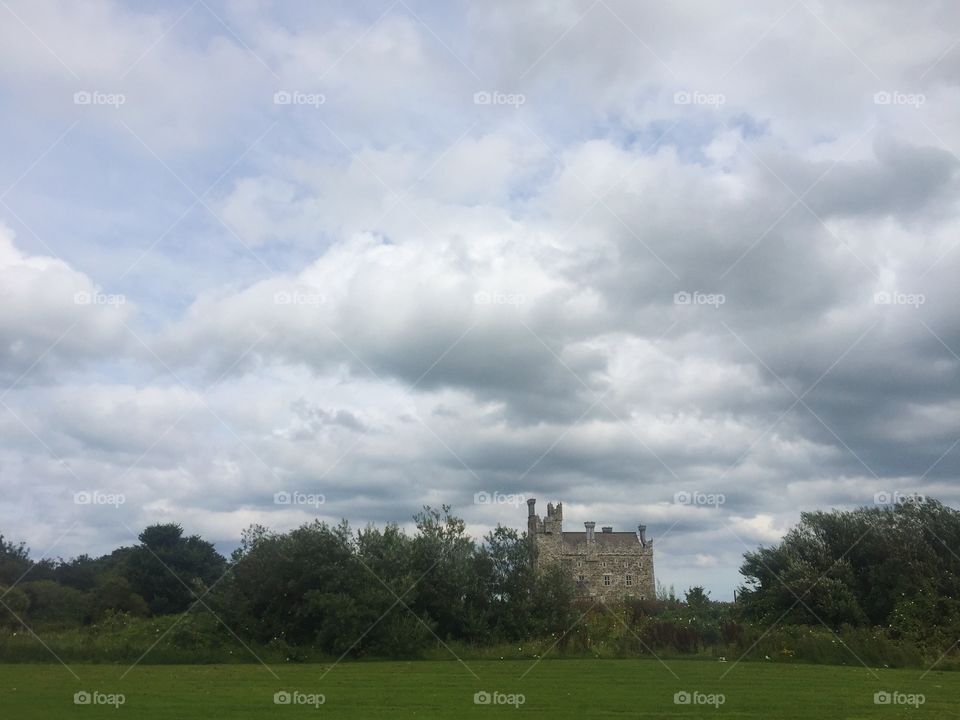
(14, 561)
(55, 605)
(114, 593)
(441, 553)
(891, 566)
(15, 605)
(697, 599)
(170, 571)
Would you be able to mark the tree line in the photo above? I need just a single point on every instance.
(892, 572)
(376, 591)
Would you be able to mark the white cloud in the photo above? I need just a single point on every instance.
(52, 316)
(414, 297)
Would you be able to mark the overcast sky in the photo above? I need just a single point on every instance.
(686, 264)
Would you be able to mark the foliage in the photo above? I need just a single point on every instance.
(170, 571)
(877, 586)
(891, 567)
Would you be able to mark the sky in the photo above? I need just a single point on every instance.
(691, 265)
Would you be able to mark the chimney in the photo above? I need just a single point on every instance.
(608, 528)
(533, 523)
(642, 530)
(589, 526)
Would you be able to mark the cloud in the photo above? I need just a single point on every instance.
(52, 317)
(708, 252)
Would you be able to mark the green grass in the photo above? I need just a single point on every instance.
(558, 689)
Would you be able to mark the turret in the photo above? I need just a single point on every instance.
(553, 522)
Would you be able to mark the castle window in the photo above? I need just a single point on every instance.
(628, 580)
(607, 580)
(603, 564)
(580, 578)
(579, 564)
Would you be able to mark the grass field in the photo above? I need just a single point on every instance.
(581, 689)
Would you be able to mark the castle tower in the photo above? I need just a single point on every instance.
(553, 522)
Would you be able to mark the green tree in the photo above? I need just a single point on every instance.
(441, 564)
(55, 605)
(14, 561)
(114, 593)
(14, 608)
(891, 566)
(697, 599)
(170, 571)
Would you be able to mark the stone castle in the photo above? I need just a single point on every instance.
(607, 565)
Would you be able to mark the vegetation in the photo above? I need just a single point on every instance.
(892, 567)
(871, 588)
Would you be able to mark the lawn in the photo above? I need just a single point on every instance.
(556, 689)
